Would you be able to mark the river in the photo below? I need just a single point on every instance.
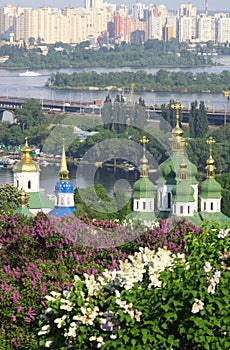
(11, 84)
(109, 178)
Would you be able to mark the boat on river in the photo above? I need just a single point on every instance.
(29, 74)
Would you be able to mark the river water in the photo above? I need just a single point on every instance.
(12, 85)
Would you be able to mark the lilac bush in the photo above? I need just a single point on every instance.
(41, 255)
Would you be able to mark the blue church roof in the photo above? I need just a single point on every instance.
(61, 211)
(64, 186)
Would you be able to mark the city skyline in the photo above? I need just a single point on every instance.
(221, 5)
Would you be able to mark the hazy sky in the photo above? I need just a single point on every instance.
(199, 4)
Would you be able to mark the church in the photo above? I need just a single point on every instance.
(177, 192)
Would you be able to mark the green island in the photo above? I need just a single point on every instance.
(162, 81)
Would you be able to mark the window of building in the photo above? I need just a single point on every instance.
(181, 209)
(188, 209)
(211, 206)
(169, 200)
(29, 184)
(204, 205)
(137, 204)
(174, 209)
(144, 205)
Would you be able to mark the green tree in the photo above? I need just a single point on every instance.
(9, 198)
(193, 113)
(201, 126)
(30, 114)
(14, 135)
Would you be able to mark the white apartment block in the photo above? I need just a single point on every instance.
(138, 11)
(223, 30)
(155, 28)
(69, 26)
(186, 28)
(156, 20)
(74, 25)
(206, 29)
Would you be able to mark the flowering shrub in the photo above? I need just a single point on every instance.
(155, 300)
(40, 256)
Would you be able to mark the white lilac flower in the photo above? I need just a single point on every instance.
(44, 330)
(197, 306)
(60, 321)
(48, 310)
(66, 294)
(55, 294)
(207, 267)
(49, 298)
(76, 278)
(100, 340)
(48, 343)
(66, 307)
(72, 330)
(223, 233)
(211, 288)
(113, 336)
(216, 276)
(92, 338)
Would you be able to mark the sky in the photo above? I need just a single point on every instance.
(219, 5)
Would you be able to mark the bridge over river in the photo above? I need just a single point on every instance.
(215, 117)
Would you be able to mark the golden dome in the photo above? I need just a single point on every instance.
(26, 164)
(177, 131)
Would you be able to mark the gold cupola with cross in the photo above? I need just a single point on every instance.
(26, 164)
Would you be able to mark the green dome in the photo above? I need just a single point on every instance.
(143, 188)
(183, 192)
(171, 166)
(210, 188)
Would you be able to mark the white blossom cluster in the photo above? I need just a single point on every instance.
(133, 313)
(212, 281)
(223, 233)
(131, 271)
(197, 306)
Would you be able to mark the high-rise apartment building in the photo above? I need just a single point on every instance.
(121, 23)
(206, 28)
(156, 21)
(223, 30)
(186, 28)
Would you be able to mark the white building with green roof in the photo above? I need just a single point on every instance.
(27, 177)
(170, 169)
(143, 192)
